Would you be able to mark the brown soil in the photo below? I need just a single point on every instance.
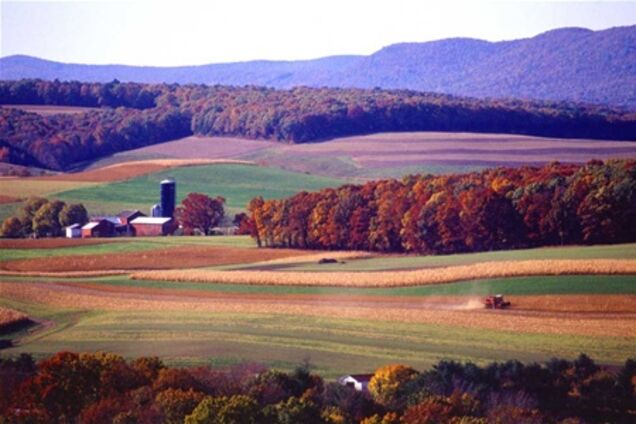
(169, 258)
(468, 314)
(128, 170)
(49, 243)
(8, 199)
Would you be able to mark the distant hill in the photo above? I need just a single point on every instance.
(573, 64)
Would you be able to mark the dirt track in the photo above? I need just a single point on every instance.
(584, 315)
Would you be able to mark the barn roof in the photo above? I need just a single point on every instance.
(73, 226)
(91, 225)
(128, 213)
(150, 220)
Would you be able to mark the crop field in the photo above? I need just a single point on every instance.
(339, 329)
(390, 154)
(395, 279)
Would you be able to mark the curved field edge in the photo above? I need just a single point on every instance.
(521, 286)
(463, 315)
(398, 279)
(335, 345)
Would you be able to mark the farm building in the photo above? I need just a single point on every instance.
(360, 382)
(99, 228)
(125, 217)
(152, 226)
(73, 231)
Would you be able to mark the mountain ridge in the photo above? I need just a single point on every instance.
(572, 64)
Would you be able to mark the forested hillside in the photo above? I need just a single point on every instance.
(501, 208)
(573, 64)
(132, 115)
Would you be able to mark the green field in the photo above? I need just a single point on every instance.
(238, 184)
(335, 346)
(519, 286)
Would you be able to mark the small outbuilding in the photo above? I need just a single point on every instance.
(100, 228)
(360, 382)
(73, 231)
(152, 226)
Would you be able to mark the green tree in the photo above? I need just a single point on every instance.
(11, 228)
(73, 214)
(238, 409)
(28, 211)
(293, 410)
(176, 404)
(46, 221)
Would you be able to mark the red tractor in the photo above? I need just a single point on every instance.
(496, 302)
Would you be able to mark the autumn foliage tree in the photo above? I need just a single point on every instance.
(388, 382)
(199, 212)
(96, 388)
(494, 209)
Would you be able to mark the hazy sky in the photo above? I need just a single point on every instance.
(185, 32)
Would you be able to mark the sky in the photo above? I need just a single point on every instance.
(192, 32)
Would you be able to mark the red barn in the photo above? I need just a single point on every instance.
(152, 226)
(101, 228)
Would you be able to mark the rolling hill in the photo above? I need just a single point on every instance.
(573, 64)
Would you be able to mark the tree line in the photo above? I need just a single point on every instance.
(103, 387)
(500, 208)
(43, 218)
(131, 115)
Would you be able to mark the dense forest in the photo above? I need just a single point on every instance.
(500, 208)
(104, 388)
(132, 115)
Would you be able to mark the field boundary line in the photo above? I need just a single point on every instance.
(484, 270)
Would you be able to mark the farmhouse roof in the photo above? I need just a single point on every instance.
(91, 225)
(72, 226)
(127, 213)
(150, 220)
(362, 377)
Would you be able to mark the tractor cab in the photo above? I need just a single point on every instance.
(496, 302)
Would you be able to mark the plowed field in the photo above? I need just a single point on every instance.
(167, 258)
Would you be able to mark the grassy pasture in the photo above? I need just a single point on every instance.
(517, 286)
(238, 184)
(334, 345)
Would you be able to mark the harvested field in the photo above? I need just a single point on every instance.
(60, 295)
(397, 154)
(10, 319)
(24, 187)
(49, 243)
(193, 147)
(8, 199)
(166, 258)
(128, 170)
(399, 279)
